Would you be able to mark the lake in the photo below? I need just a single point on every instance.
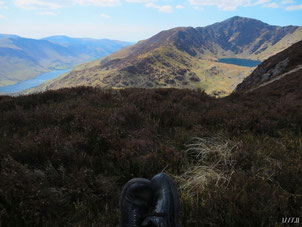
(240, 62)
(26, 84)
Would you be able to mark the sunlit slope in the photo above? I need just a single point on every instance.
(162, 67)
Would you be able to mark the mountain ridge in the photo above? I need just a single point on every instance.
(185, 57)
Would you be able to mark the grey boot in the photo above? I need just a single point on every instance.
(165, 206)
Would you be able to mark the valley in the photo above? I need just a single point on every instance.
(23, 58)
(30, 83)
(240, 62)
(164, 67)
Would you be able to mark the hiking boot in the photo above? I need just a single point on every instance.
(165, 206)
(135, 201)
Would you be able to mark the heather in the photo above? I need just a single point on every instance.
(65, 155)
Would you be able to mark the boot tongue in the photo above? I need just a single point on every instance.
(141, 198)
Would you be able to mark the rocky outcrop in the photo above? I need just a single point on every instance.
(289, 60)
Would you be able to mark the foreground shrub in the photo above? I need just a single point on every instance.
(65, 155)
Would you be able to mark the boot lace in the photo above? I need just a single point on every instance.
(135, 218)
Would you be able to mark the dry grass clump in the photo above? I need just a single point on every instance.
(211, 161)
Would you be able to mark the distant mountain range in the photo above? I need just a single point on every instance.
(186, 57)
(23, 58)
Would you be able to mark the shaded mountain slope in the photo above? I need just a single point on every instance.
(284, 64)
(22, 58)
(185, 57)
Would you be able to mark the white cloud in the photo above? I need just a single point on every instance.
(54, 4)
(284, 2)
(163, 9)
(272, 5)
(226, 5)
(2, 16)
(105, 16)
(257, 3)
(2, 5)
(150, 4)
(179, 7)
(140, 1)
(47, 13)
(294, 7)
(36, 4)
(230, 5)
(260, 2)
(101, 3)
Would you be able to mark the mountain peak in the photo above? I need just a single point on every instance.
(238, 18)
(241, 18)
(242, 21)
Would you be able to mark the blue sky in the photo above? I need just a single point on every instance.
(133, 20)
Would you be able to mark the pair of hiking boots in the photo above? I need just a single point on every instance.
(146, 203)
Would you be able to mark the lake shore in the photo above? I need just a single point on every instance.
(27, 84)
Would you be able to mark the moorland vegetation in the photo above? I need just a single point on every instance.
(237, 161)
